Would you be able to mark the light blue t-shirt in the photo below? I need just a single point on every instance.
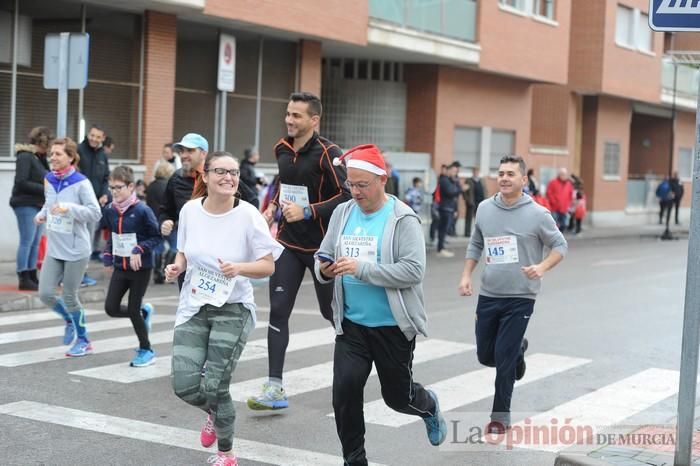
(367, 304)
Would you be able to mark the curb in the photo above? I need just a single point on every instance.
(577, 459)
(27, 302)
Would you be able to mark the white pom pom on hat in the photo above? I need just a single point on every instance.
(366, 157)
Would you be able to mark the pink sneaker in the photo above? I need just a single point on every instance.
(208, 434)
(222, 460)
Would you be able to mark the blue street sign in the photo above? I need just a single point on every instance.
(674, 15)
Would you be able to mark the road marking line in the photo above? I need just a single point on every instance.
(256, 349)
(608, 405)
(161, 434)
(471, 387)
(30, 317)
(57, 330)
(320, 376)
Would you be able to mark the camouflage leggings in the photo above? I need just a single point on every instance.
(217, 336)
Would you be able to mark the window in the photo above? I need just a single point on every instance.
(611, 160)
(685, 164)
(516, 4)
(502, 143)
(632, 29)
(623, 30)
(643, 33)
(467, 147)
(544, 8)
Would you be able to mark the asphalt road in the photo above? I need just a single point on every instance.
(604, 341)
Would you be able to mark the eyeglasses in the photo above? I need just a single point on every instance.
(361, 185)
(117, 187)
(234, 172)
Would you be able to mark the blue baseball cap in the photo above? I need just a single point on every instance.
(192, 141)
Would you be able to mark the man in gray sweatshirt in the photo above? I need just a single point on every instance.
(512, 232)
(374, 252)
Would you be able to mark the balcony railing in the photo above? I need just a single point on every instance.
(450, 18)
(686, 83)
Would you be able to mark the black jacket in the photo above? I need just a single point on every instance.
(449, 192)
(248, 174)
(95, 166)
(177, 193)
(155, 194)
(30, 169)
(312, 166)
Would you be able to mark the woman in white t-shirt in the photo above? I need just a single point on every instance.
(222, 242)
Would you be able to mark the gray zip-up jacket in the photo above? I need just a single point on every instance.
(74, 192)
(534, 229)
(400, 272)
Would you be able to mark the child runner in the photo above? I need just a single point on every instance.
(222, 242)
(70, 207)
(129, 252)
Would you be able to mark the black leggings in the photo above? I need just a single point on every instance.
(136, 283)
(284, 286)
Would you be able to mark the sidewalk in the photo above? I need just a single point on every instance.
(11, 299)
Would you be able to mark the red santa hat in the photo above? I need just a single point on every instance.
(366, 157)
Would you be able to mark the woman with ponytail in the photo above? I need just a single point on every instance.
(222, 242)
(69, 208)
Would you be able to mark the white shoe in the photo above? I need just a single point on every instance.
(445, 253)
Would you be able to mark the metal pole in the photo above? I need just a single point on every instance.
(667, 232)
(62, 107)
(13, 92)
(691, 321)
(222, 121)
(217, 119)
(81, 92)
(258, 94)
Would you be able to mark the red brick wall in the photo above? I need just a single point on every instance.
(521, 46)
(587, 44)
(310, 66)
(589, 142)
(687, 41)
(159, 85)
(550, 115)
(341, 20)
(630, 73)
(421, 107)
(685, 137)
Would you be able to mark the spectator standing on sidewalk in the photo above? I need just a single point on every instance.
(27, 199)
(94, 165)
(474, 194)
(512, 232)
(560, 194)
(169, 156)
(677, 188)
(155, 198)
(69, 209)
(414, 196)
(450, 190)
(373, 254)
(664, 194)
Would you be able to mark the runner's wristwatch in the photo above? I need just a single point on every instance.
(307, 213)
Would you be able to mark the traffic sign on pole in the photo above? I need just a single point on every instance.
(674, 15)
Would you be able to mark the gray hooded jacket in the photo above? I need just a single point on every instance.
(534, 229)
(400, 272)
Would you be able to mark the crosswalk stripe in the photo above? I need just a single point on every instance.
(256, 349)
(164, 435)
(57, 330)
(31, 317)
(320, 376)
(470, 387)
(608, 405)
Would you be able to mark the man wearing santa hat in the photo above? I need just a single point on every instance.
(310, 187)
(374, 255)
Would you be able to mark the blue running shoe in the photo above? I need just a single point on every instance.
(272, 397)
(69, 333)
(80, 348)
(435, 425)
(87, 281)
(144, 357)
(147, 311)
